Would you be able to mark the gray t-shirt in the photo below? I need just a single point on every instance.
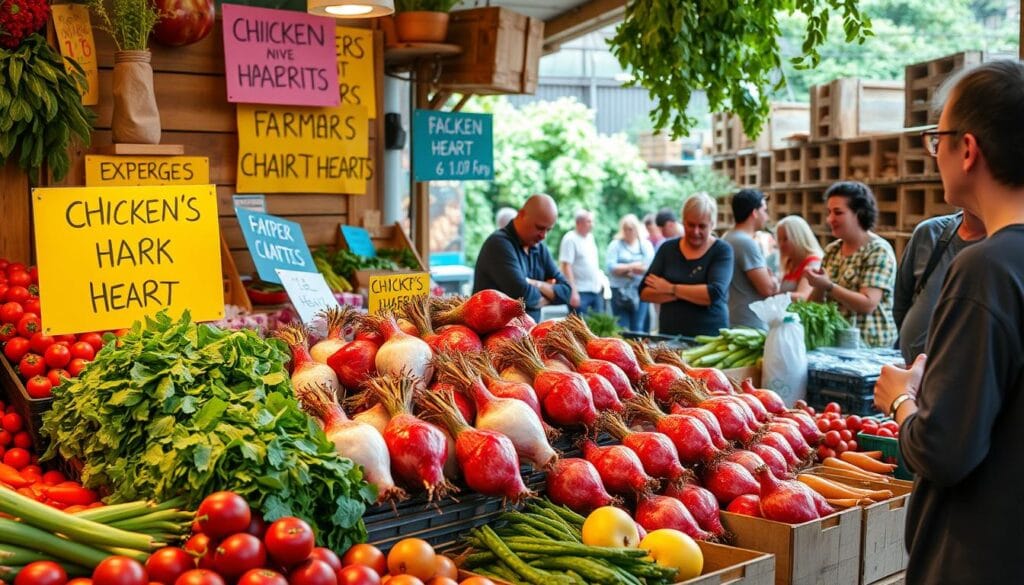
(913, 316)
(746, 256)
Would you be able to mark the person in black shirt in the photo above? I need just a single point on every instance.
(689, 276)
(515, 261)
(961, 408)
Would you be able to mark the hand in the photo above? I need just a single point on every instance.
(574, 300)
(638, 268)
(817, 278)
(659, 285)
(895, 381)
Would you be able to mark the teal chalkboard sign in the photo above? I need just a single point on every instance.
(452, 146)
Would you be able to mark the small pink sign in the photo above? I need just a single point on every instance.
(279, 57)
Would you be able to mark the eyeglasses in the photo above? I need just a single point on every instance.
(931, 139)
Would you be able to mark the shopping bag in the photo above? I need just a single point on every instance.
(784, 368)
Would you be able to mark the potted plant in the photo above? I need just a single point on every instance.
(422, 21)
(128, 22)
(41, 110)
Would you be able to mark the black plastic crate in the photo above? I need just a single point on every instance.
(673, 341)
(855, 385)
(30, 409)
(861, 405)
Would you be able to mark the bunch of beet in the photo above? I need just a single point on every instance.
(565, 397)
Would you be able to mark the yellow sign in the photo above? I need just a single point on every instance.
(284, 149)
(356, 79)
(391, 292)
(110, 256)
(74, 34)
(135, 171)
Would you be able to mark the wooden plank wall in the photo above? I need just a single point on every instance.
(192, 98)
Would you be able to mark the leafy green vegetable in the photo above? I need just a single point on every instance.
(404, 257)
(822, 322)
(179, 409)
(345, 263)
(603, 324)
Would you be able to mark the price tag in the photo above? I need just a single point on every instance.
(74, 34)
(391, 292)
(309, 293)
(452, 146)
(256, 203)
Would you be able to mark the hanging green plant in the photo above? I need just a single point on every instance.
(730, 50)
(41, 109)
(424, 5)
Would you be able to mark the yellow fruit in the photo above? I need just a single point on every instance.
(672, 548)
(610, 526)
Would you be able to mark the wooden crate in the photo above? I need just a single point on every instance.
(725, 219)
(887, 197)
(851, 107)
(825, 551)
(785, 202)
(753, 169)
(727, 166)
(856, 159)
(786, 120)
(382, 236)
(501, 52)
(787, 166)
(885, 156)
(816, 211)
(923, 80)
(897, 579)
(659, 149)
(733, 566)
(723, 133)
(919, 201)
(914, 160)
(822, 163)
(740, 374)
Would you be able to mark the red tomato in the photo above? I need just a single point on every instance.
(892, 426)
(11, 312)
(823, 425)
(57, 356)
(824, 452)
(885, 432)
(32, 474)
(53, 477)
(833, 407)
(832, 439)
(83, 350)
(40, 342)
(851, 445)
(262, 577)
(289, 541)
(358, 575)
(7, 332)
(223, 514)
(168, 563)
(853, 423)
(29, 325)
(76, 366)
(12, 422)
(237, 554)
(19, 277)
(846, 435)
(800, 404)
(16, 349)
(16, 294)
(80, 581)
(56, 376)
(23, 440)
(869, 426)
(15, 267)
(312, 572)
(31, 365)
(6, 438)
(42, 573)
(119, 570)
(200, 577)
(93, 339)
(810, 410)
(836, 424)
(31, 305)
(366, 555)
(33, 273)
(17, 458)
(326, 555)
(201, 547)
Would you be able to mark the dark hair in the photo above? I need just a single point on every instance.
(859, 199)
(988, 102)
(664, 216)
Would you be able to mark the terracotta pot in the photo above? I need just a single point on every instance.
(421, 27)
(135, 119)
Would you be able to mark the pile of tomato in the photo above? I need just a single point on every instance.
(41, 360)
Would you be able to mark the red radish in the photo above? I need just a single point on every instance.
(786, 501)
(488, 459)
(541, 331)
(772, 402)
(401, 352)
(700, 502)
(749, 460)
(511, 417)
(619, 467)
(407, 327)
(656, 451)
(603, 394)
(356, 440)
(306, 373)
(557, 363)
(447, 338)
(734, 416)
(808, 428)
(716, 380)
(656, 512)
(760, 412)
(775, 461)
(524, 321)
(792, 434)
(484, 312)
(337, 319)
(465, 404)
(709, 420)
(501, 387)
(564, 397)
(507, 332)
(609, 349)
(688, 434)
(365, 335)
(561, 342)
(418, 449)
(781, 444)
(728, 480)
(355, 362)
(577, 484)
(747, 504)
(658, 378)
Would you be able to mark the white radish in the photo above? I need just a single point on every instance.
(400, 353)
(306, 373)
(337, 319)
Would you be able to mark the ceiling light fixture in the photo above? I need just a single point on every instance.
(350, 8)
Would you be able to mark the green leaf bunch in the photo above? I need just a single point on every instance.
(425, 5)
(41, 109)
(173, 408)
(822, 322)
(728, 49)
(128, 22)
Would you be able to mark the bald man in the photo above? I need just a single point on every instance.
(515, 261)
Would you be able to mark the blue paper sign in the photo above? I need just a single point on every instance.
(274, 243)
(358, 241)
(452, 146)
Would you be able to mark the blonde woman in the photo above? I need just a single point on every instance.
(690, 275)
(627, 258)
(799, 252)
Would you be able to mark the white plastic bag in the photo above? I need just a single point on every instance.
(784, 369)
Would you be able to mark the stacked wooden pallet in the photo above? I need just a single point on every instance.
(923, 81)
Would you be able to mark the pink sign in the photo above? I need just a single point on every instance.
(279, 57)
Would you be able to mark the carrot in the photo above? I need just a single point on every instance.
(876, 455)
(11, 477)
(844, 502)
(852, 470)
(866, 463)
(828, 489)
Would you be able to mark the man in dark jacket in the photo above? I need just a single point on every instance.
(961, 408)
(515, 261)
